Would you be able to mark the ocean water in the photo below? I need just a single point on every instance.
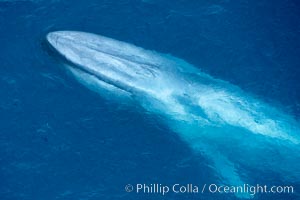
(59, 140)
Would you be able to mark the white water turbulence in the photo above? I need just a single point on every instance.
(215, 118)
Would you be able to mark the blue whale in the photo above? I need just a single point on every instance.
(213, 117)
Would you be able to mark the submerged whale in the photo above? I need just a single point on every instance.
(215, 118)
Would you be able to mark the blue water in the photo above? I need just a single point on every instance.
(59, 140)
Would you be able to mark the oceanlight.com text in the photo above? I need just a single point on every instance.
(245, 189)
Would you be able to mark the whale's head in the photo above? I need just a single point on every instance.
(113, 62)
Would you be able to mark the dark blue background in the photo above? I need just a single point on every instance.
(58, 140)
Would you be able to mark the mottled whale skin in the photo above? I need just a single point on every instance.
(215, 118)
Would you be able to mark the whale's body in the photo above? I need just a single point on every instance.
(212, 116)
